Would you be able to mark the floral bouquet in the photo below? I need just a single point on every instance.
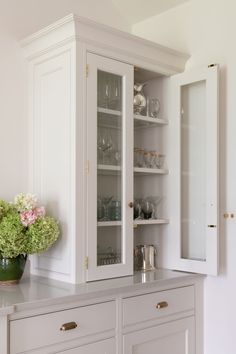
(24, 227)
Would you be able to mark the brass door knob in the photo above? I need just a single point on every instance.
(131, 204)
(162, 305)
(68, 326)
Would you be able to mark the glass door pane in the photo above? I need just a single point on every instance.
(193, 171)
(110, 169)
(193, 201)
(110, 177)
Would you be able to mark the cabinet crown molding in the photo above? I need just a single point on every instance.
(76, 28)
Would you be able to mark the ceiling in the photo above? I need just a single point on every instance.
(138, 10)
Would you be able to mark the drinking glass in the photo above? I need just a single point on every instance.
(137, 209)
(104, 89)
(147, 208)
(115, 92)
(155, 201)
(152, 159)
(101, 145)
(106, 202)
(100, 210)
(153, 107)
(159, 160)
(109, 145)
(115, 210)
(147, 159)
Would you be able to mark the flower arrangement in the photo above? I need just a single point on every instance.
(24, 227)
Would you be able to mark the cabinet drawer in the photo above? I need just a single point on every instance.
(156, 305)
(39, 331)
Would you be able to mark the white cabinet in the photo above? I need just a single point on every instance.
(104, 347)
(162, 318)
(175, 337)
(61, 327)
(84, 133)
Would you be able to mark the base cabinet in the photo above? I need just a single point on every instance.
(104, 347)
(175, 337)
(152, 321)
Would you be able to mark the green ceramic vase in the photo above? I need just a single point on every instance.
(12, 269)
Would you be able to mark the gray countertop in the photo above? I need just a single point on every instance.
(37, 291)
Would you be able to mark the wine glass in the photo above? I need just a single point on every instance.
(106, 201)
(101, 145)
(153, 107)
(147, 208)
(99, 209)
(155, 201)
(109, 146)
(137, 209)
(115, 92)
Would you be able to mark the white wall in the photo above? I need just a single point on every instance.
(19, 19)
(13, 121)
(206, 29)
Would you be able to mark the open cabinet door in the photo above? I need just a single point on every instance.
(193, 199)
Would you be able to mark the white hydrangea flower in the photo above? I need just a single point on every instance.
(24, 202)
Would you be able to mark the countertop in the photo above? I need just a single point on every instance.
(34, 292)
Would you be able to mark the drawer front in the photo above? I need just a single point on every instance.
(39, 331)
(156, 305)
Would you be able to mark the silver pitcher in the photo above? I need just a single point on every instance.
(144, 257)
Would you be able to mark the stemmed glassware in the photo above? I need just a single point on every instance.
(153, 107)
(148, 159)
(105, 146)
(106, 202)
(146, 208)
(137, 209)
(109, 91)
(155, 201)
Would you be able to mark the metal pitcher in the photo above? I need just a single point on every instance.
(144, 257)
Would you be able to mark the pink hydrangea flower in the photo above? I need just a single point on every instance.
(40, 212)
(30, 216)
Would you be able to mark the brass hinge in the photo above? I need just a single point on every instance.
(87, 70)
(87, 167)
(86, 262)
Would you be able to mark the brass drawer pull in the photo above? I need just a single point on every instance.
(68, 326)
(162, 305)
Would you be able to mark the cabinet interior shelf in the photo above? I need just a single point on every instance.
(144, 121)
(111, 119)
(114, 170)
(136, 222)
(150, 171)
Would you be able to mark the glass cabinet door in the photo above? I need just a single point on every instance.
(109, 168)
(196, 106)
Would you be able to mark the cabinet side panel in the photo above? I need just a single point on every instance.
(53, 156)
